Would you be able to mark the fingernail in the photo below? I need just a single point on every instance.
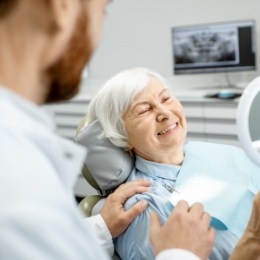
(144, 203)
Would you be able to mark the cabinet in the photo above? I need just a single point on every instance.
(67, 115)
(209, 120)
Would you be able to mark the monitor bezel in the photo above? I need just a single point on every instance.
(212, 69)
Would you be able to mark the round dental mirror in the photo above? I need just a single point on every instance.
(248, 120)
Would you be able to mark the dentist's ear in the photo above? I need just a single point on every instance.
(59, 20)
(65, 13)
(53, 15)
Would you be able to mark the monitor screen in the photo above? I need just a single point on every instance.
(219, 47)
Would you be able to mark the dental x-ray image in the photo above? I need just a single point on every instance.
(206, 46)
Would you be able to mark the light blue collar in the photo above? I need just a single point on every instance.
(157, 170)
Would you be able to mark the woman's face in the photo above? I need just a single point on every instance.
(156, 124)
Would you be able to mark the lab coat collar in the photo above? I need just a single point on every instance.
(35, 124)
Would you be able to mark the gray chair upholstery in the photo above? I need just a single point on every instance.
(105, 167)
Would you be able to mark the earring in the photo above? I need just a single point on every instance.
(130, 152)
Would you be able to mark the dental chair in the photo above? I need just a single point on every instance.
(105, 167)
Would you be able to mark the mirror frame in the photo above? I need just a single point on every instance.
(242, 119)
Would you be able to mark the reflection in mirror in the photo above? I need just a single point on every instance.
(248, 120)
(254, 122)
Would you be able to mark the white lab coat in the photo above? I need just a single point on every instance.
(39, 218)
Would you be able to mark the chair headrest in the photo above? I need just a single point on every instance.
(108, 164)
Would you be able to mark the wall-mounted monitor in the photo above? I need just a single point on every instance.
(216, 47)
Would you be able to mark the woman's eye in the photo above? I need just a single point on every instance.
(143, 111)
(165, 99)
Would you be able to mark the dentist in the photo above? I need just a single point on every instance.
(45, 45)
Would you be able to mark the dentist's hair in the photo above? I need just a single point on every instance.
(112, 101)
(6, 6)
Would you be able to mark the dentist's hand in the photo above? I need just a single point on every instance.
(186, 228)
(248, 247)
(115, 216)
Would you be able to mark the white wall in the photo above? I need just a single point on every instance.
(138, 33)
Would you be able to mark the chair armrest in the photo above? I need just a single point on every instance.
(88, 203)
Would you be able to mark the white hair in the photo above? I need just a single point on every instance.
(112, 101)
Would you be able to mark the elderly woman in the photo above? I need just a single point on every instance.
(138, 113)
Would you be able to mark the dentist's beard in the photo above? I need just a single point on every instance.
(64, 76)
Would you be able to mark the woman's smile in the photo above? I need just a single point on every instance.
(169, 129)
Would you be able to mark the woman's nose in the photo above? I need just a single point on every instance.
(163, 114)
